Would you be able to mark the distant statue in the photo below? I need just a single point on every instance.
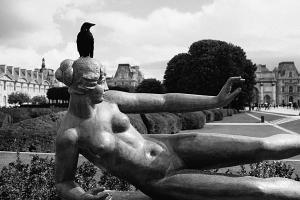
(162, 166)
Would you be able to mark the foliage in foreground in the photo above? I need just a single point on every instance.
(19, 181)
(36, 181)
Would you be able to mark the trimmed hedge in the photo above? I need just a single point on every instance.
(22, 113)
(161, 123)
(137, 122)
(224, 112)
(192, 120)
(36, 134)
(218, 115)
(5, 119)
(210, 117)
(174, 122)
(229, 112)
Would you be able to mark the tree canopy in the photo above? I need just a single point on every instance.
(207, 66)
(18, 98)
(58, 93)
(39, 100)
(150, 85)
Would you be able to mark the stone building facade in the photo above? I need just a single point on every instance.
(288, 83)
(126, 76)
(280, 86)
(33, 82)
(265, 88)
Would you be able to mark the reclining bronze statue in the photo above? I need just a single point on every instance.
(162, 166)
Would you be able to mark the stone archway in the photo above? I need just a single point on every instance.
(267, 99)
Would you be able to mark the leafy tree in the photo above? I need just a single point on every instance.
(39, 99)
(18, 98)
(58, 93)
(207, 66)
(150, 85)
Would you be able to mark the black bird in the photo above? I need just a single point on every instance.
(85, 40)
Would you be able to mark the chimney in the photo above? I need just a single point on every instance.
(17, 71)
(2, 69)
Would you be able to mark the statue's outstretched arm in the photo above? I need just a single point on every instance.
(172, 102)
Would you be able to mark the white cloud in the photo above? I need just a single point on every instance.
(263, 28)
(23, 58)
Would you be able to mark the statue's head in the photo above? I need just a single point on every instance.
(84, 76)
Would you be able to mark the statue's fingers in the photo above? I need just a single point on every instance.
(234, 93)
(103, 196)
(95, 191)
(235, 79)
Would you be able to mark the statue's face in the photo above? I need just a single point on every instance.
(96, 95)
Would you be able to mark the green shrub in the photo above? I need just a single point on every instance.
(36, 100)
(267, 169)
(224, 112)
(161, 123)
(23, 181)
(17, 114)
(210, 117)
(37, 112)
(174, 123)
(23, 113)
(229, 112)
(218, 115)
(192, 120)
(32, 134)
(36, 181)
(5, 119)
(113, 183)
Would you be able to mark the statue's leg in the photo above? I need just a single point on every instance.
(210, 150)
(194, 186)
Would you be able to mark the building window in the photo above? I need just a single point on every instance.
(298, 89)
(291, 89)
(291, 74)
(282, 88)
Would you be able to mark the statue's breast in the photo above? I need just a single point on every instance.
(120, 123)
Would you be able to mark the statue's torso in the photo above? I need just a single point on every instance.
(111, 142)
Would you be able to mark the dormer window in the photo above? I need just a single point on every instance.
(291, 89)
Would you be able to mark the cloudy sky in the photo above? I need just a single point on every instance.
(146, 32)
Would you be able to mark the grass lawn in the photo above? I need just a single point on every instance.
(246, 130)
(268, 117)
(238, 118)
(293, 126)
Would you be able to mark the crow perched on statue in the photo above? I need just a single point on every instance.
(85, 40)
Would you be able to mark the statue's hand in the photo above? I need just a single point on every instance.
(225, 97)
(96, 194)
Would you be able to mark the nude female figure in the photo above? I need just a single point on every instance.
(161, 166)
